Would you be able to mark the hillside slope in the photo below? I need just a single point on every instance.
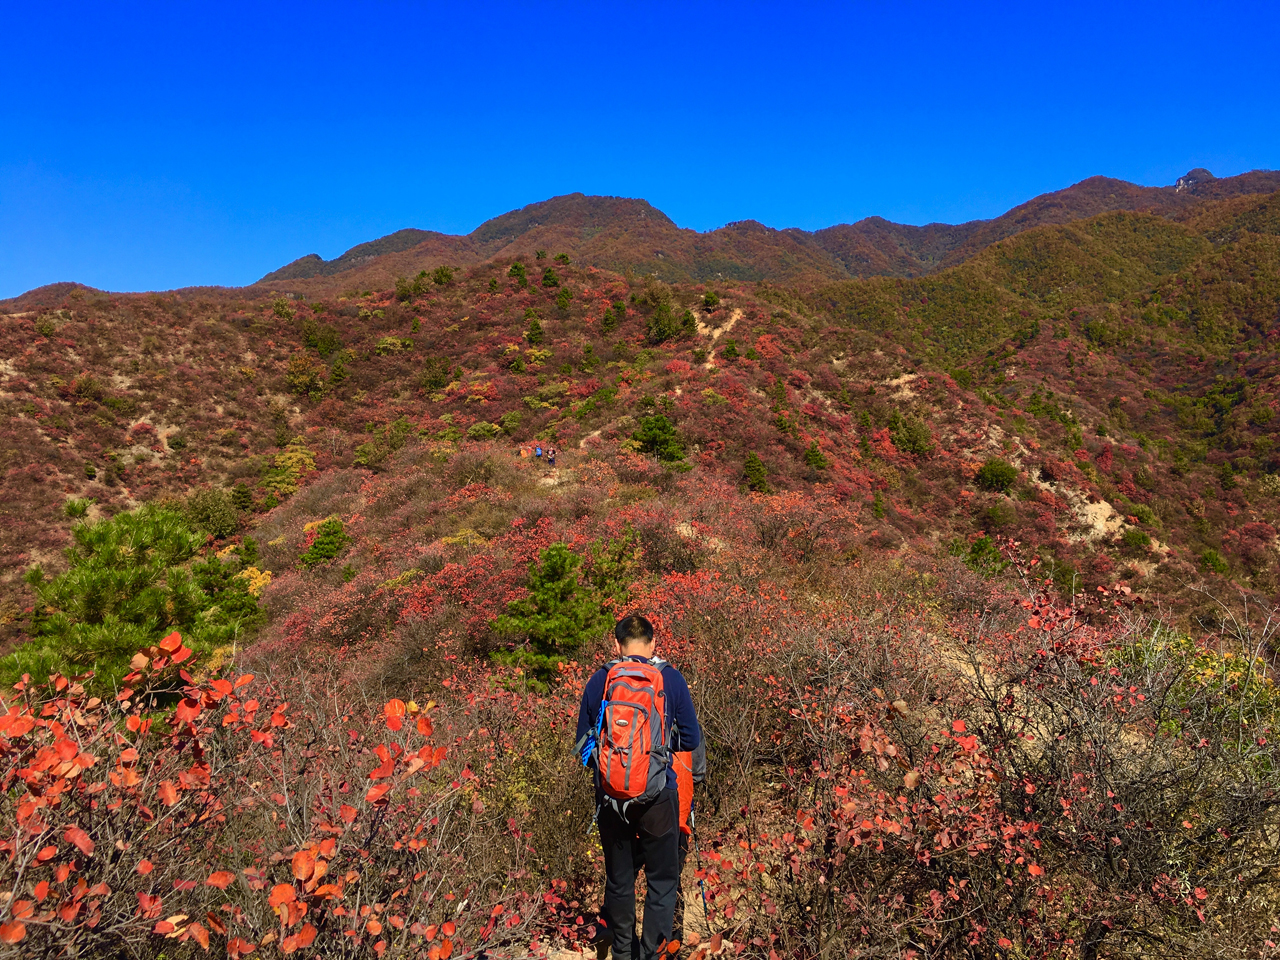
(1123, 365)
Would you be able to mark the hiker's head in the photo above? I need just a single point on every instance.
(635, 636)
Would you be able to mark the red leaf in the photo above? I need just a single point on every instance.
(449, 929)
(377, 793)
(1036, 870)
(168, 793)
(171, 643)
(220, 879)
(12, 932)
(388, 765)
(144, 867)
(958, 726)
(80, 839)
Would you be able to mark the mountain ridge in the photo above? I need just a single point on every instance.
(621, 233)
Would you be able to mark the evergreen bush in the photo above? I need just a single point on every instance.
(330, 540)
(997, 475)
(130, 581)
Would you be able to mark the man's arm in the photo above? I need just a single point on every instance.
(685, 720)
(589, 709)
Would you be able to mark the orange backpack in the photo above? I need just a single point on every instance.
(632, 752)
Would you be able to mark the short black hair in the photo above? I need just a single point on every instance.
(633, 630)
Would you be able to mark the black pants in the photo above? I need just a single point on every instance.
(677, 925)
(648, 837)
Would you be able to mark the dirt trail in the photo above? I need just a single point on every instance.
(716, 333)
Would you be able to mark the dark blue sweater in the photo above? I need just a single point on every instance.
(683, 732)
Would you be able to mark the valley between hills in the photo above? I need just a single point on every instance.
(967, 536)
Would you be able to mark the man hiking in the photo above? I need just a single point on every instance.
(633, 709)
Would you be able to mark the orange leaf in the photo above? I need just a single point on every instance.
(42, 890)
(171, 643)
(446, 950)
(424, 726)
(958, 726)
(144, 867)
(80, 839)
(215, 923)
(1036, 870)
(200, 934)
(374, 927)
(246, 678)
(168, 793)
(304, 864)
(12, 932)
(220, 879)
(377, 793)
(281, 893)
(395, 708)
(449, 929)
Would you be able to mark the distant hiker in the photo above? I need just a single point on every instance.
(551, 456)
(537, 451)
(633, 709)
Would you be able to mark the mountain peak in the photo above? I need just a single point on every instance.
(1192, 178)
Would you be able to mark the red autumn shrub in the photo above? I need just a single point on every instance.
(248, 818)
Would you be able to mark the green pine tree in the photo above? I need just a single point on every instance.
(662, 325)
(814, 457)
(559, 616)
(754, 469)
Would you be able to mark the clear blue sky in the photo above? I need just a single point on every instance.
(149, 146)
